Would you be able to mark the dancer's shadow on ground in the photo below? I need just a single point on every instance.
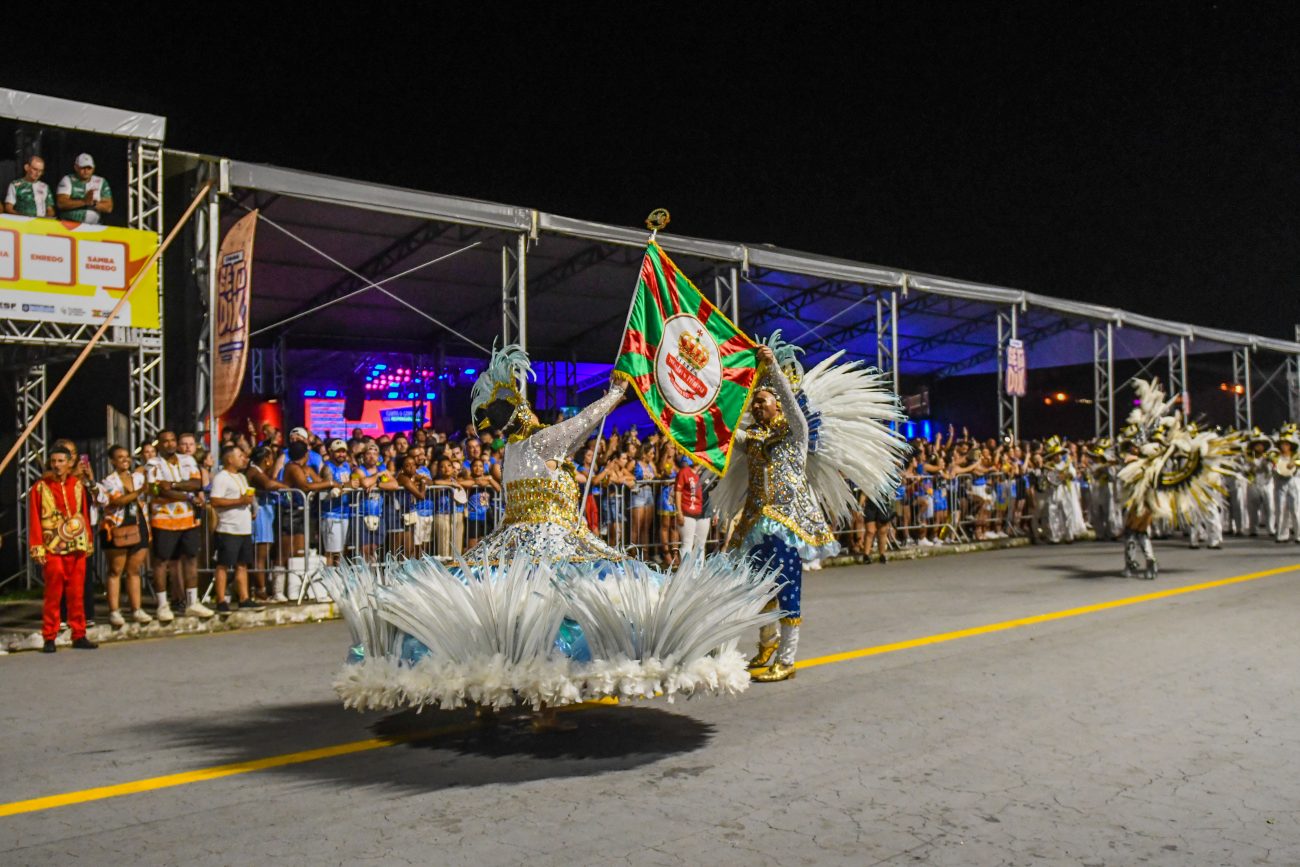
(1070, 570)
(435, 750)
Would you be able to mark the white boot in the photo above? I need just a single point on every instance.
(277, 583)
(789, 644)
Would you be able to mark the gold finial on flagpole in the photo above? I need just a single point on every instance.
(658, 219)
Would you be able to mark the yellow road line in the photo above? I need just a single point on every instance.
(1037, 618)
(213, 773)
(150, 784)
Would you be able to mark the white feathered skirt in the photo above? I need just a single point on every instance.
(534, 633)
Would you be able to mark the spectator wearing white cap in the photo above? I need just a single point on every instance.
(314, 460)
(336, 508)
(83, 196)
(29, 196)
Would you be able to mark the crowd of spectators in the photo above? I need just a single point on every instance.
(80, 196)
(261, 502)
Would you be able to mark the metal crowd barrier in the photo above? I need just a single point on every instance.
(937, 510)
(297, 534)
(642, 521)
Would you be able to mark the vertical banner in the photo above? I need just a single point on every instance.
(230, 333)
(1017, 375)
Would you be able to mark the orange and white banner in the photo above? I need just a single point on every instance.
(55, 271)
(230, 319)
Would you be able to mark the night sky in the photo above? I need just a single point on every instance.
(1137, 157)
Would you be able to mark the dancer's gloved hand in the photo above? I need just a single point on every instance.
(618, 383)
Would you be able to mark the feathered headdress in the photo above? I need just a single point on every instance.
(787, 359)
(1289, 434)
(506, 370)
(1153, 415)
(1258, 436)
(1053, 446)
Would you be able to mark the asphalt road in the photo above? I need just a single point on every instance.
(1163, 731)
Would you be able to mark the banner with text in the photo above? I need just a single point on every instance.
(1017, 369)
(75, 273)
(234, 289)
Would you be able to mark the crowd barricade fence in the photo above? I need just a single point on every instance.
(297, 534)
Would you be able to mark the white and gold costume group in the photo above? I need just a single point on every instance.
(1059, 504)
(543, 613)
(1265, 499)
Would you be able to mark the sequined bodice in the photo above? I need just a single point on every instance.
(533, 500)
(778, 484)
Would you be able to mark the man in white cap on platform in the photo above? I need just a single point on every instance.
(83, 196)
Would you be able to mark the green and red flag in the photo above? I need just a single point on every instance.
(692, 368)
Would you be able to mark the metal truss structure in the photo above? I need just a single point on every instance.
(1008, 404)
(1243, 413)
(559, 384)
(514, 292)
(145, 211)
(1103, 380)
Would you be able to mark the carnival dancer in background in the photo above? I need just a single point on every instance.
(1286, 485)
(1206, 527)
(1137, 525)
(1103, 487)
(1260, 516)
(1177, 473)
(798, 458)
(1057, 483)
(542, 612)
(1236, 519)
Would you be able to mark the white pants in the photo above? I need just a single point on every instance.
(695, 534)
(1288, 510)
(1207, 529)
(1260, 519)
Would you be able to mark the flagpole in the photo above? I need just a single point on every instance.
(657, 220)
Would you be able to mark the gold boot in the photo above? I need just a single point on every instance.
(763, 657)
(778, 671)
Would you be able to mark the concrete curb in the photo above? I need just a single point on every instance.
(917, 553)
(101, 633)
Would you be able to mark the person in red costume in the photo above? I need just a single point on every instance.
(59, 530)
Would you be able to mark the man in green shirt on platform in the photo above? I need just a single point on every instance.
(29, 196)
(84, 197)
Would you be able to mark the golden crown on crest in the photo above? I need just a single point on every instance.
(692, 351)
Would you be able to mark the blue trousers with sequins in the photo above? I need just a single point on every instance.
(785, 559)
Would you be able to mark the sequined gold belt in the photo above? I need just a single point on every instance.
(534, 500)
